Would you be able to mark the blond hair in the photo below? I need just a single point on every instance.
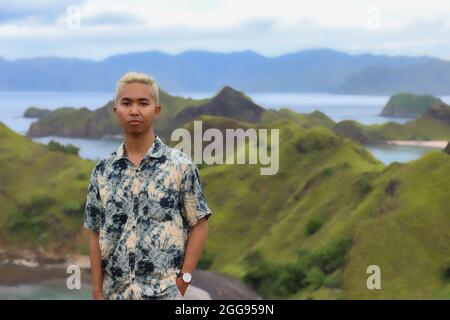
(136, 77)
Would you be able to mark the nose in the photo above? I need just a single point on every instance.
(134, 110)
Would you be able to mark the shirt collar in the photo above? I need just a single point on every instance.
(156, 150)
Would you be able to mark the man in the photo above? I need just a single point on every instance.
(145, 206)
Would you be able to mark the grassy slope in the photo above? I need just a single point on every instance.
(307, 120)
(42, 193)
(405, 233)
(270, 212)
(321, 176)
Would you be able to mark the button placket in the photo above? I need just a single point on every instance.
(135, 197)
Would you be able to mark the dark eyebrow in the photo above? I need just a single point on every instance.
(139, 99)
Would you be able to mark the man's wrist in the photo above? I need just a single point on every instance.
(185, 276)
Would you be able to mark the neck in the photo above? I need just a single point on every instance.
(138, 145)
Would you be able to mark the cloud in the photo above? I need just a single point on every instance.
(32, 12)
(114, 19)
(270, 28)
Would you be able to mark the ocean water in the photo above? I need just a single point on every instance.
(47, 290)
(362, 108)
(13, 104)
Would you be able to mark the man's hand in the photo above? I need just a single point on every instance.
(182, 286)
(98, 295)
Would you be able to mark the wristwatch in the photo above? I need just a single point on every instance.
(185, 276)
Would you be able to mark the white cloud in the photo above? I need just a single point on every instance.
(268, 27)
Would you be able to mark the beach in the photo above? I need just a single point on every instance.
(441, 144)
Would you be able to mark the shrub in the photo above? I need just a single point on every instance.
(315, 277)
(364, 184)
(334, 280)
(313, 226)
(81, 176)
(73, 208)
(446, 271)
(68, 149)
(309, 269)
(326, 172)
(329, 258)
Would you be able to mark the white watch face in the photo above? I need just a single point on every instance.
(187, 277)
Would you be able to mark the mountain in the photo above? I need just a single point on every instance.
(228, 103)
(424, 77)
(176, 112)
(408, 105)
(84, 123)
(316, 70)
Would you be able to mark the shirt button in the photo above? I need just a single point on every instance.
(133, 227)
(137, 170)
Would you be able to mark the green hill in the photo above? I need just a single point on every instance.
(408, 105)
(35, 112)
(84, 123)
(310, 231)
(176, 113)
(228, 103)
(306, 120)
(332, 210)
(42, 195)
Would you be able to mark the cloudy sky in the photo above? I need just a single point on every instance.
(96, 29)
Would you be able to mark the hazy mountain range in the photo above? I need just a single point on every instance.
(318, 70)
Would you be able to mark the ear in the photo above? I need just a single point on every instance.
(157, 110)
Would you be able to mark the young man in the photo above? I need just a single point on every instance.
(145, 207)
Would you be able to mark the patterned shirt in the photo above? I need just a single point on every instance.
(143, 216)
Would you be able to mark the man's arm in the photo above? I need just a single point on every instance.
(194, 248)
(96, 266)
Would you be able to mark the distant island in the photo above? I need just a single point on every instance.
(408, 105)
(35, 112)
(433, 124)
(230, 105)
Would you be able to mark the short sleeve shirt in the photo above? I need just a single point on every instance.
(143, 216)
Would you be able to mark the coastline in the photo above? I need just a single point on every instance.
(440, 144)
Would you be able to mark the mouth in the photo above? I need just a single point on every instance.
(134, 122)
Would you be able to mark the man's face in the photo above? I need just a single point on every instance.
(136, 109)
